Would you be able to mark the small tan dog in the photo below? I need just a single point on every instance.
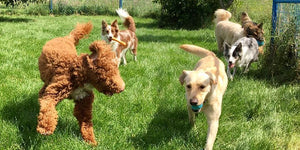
(229, 32)
(205, 87)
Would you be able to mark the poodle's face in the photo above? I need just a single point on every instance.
(103, 71)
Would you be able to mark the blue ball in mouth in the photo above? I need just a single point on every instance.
(197, 107)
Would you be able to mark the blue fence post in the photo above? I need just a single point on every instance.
(51, 6)
(274, 16)
(120, 3)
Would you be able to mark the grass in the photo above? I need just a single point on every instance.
(257, 113)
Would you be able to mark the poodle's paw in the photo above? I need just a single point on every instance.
(94, 143)
(44, 131)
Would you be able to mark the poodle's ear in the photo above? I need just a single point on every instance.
(94, 48)
(182, 76)
(115, 24)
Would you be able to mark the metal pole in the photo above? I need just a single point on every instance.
(120, 3)
(51, 6)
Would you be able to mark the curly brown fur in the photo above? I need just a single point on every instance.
(67, 75)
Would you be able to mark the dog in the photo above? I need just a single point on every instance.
(242, 53)
(128, 36)
(253, 30)
(230, 32)
(67, 75)
(204, 89)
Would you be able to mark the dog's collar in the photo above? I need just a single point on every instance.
(260, 43)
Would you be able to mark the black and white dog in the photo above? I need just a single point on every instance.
(242, 53)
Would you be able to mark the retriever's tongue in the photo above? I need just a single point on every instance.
(231, 65)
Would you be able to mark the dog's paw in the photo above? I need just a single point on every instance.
(44, 131)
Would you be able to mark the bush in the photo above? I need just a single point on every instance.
(188, 14)
(18, 2)
(281, 58)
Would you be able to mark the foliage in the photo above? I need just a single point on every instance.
(141, 8)
(281, 58)
(18, 2)
(187, 14)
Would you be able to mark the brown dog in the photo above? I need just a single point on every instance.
(109, 32)
(205, 87)
(67, 75)
(252, 29)
(230, 32)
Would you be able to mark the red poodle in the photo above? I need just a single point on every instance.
(67, 75)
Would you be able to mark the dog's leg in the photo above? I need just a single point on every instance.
(246, 70)
(134, 49)
(83, 113)
(134, 54)
(234, 70)
(191, 116)
(220, 44)
(49, 97)
(229, 73)
(124, 59)
(212, 115)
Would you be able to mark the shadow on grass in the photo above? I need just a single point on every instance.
(15, 20)
(166, 125)
(24, 114)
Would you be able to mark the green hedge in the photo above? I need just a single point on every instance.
(188, 14)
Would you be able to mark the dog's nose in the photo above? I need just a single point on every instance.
(230, 62)
(194, 101)
(110, 38)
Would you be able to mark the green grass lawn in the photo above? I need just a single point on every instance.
(151, 113)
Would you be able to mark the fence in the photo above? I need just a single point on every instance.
(140, 8)
(285, 11)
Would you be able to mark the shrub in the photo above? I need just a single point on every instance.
(281, 58)
(188, 14)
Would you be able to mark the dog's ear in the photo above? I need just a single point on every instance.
(182, 76)
(239, 48)
(104, 24)
(212, 77)
(115, 24)
(97, 47)
(260, 25)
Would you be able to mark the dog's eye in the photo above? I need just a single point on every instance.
(188, 86)
(201, 87)
(107, 32)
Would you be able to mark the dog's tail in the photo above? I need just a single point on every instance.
(80, 31)
(222, 15)
(127, 19)
(196, 50)
(245, 18)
